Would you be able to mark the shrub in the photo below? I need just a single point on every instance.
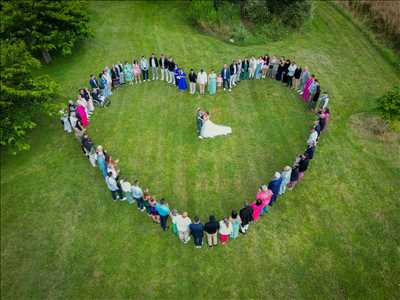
(389, 105)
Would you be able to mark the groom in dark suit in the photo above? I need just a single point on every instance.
(199, 121)
(226, 76)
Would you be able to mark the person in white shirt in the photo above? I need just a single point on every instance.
(225, 230)
(126, 189)
(182, 224)
(252, 67)
(144, 66)
(312, 139)
(202, 80)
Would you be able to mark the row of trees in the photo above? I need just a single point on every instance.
(29, 30)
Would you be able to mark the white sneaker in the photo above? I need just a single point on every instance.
(224, 89)
(200, 137)
(230, 90)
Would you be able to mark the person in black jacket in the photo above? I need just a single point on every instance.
(197, 231)
(211, 228)
(314, 100)
(163, 63)
(246, 215)
(171, 70)
(192, 82)
(310, 151)
(303, 165)
(294, 177)
(153, 62)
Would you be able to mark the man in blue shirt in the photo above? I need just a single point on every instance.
(163, 210)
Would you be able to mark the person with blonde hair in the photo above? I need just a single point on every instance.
(182, 224)
(285, 179)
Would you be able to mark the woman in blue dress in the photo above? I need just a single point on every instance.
(212, 83)
(128, 72)
(181, 80)
(176, 75)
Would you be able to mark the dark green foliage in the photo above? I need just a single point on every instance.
(45, 26)
(389, 104)
(291, 13)
(249, 20)
(22, 96)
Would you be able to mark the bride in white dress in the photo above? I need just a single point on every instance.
(210, 130)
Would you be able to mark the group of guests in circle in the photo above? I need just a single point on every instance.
(76, 119)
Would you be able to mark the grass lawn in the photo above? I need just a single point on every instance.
(335, 236)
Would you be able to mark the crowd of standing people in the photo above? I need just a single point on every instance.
(76, 119)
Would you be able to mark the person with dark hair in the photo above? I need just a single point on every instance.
(171, 70)
(235, 221)
(163, 211)
(93, 82)
(314, 100)
(115, 77)
(274, 185)
(88, 149)
(163, 63)
(246, 216)
(211, 228)
(294, 177)
(310, 151)
(257, 207)
(197, 231)
(112, 185)
(144, 67)
(192, 82)
(296, 78)
(317, 128)
(226, 76)
(153, 62)
(303, 165)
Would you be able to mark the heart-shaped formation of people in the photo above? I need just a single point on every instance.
(76, 119)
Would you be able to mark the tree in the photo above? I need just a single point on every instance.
(22, 96)
(45, 26)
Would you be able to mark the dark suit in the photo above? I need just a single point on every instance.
(226, 76)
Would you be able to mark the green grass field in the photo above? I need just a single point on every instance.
(335, 236)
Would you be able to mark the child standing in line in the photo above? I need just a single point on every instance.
(174, 215)
(219, 81)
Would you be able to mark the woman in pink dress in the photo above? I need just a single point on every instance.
(265, 195)
(136, 71)
(326, 114)
(257, 207)
(80, 110)
(306, 94)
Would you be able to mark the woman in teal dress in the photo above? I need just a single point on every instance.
(128, 73)
(212, 83)
(235, 221)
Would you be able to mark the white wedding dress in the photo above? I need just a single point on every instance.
(210, 130)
